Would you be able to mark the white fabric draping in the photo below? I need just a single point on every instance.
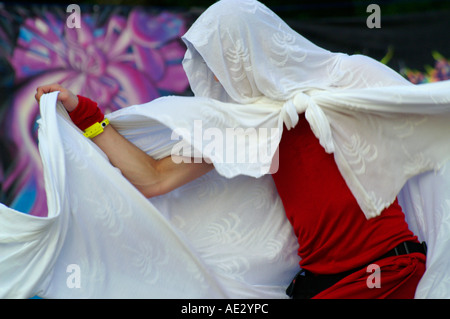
(399, 128)
(380, 136)
(225, 234)
(212, 238)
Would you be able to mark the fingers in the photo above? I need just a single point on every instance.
(67, 98)
(47, 89)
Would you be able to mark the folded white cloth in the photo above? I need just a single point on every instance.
(212, 238)
(381, 128)
(215, 237)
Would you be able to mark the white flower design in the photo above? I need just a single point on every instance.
(359, 153)
(284, 44)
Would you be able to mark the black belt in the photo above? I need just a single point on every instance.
(306, 285)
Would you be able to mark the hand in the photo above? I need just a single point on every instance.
(67, 98)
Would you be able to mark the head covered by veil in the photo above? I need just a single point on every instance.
(347, 99)
(253, 53)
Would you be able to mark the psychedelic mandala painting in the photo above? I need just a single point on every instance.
(440, 71)
(117, 56)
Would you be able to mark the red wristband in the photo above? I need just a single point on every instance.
(86, 113)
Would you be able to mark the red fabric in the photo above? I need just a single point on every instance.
(86, 113)
(333, 233)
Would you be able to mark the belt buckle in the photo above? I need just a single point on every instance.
(290, 289)
(401, 249)
(425, 247)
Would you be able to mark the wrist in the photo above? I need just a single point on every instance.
(96, 129)
(72, 103)
(86, 113)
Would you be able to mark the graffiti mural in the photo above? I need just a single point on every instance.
(117, 57)
(439, 72)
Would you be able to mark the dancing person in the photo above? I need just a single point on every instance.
(264, 59)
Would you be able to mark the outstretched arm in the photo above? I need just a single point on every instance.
(151, 177)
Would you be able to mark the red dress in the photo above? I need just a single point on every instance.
(332, 231)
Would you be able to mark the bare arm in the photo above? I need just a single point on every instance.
(151, 177)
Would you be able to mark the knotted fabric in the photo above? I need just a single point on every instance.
(304, 103)
(381, 128)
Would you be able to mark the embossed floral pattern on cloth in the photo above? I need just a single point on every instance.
(179, 245)
(359, 109)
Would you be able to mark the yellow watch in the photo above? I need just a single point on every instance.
(95, 129)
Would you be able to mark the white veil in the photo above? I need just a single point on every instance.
(254, 53)
(381, 128)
